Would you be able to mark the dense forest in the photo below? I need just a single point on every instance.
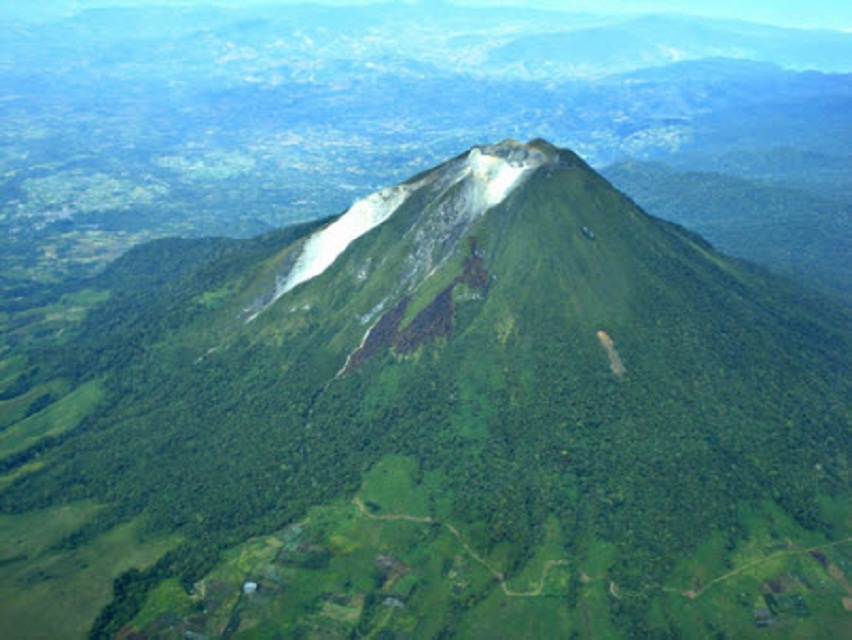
(733, 392)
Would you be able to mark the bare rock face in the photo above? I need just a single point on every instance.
(462, 191)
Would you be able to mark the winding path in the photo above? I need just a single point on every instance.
(549, 564)
(498, 575)
(792, 552)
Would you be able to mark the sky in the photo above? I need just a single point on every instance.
(810, 13)
(835, 14)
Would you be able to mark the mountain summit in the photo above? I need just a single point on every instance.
(497, 399)
(461, 192)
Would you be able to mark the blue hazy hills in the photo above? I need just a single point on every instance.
(234, 121)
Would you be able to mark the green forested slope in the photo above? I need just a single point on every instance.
(573, 366)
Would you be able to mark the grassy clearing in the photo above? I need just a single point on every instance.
(71, 585)
(16, 409)
(390, 487)
(10, 369)
(499, 616)
(74, 306)
(387, 566)
(57, 418)
(549, 571)
(708, 562)
(30, 467)
(30, 534)
(169, 595)
(48, 324)
(781, 580)
(593, 606)
(795, 595)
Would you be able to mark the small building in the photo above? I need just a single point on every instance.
(590, 235)
(249, 588)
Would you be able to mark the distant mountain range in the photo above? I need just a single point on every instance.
(659, 40)
(127, 124)
(505, 43)
(792, 230)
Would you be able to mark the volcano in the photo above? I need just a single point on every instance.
(496, 400)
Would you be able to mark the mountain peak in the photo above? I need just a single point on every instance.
(475, 182)
(498, 169)
(506, 353)
(514, 152)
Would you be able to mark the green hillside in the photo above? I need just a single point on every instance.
(554, 417)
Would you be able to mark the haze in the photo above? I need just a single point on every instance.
(828, 14)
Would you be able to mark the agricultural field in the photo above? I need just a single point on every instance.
(389, 562)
